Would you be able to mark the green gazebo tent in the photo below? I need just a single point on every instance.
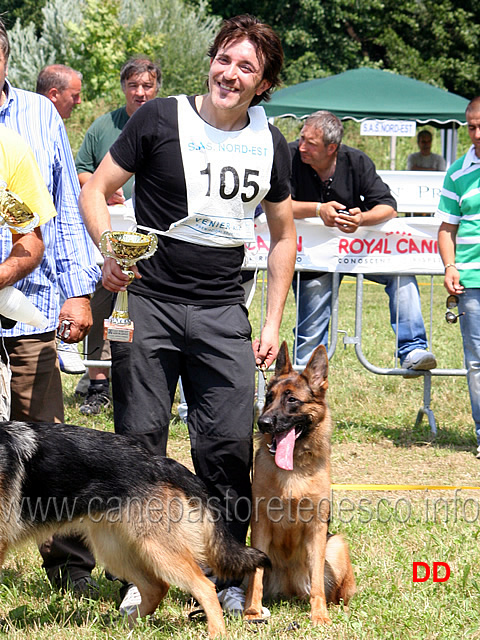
(365, 93)
(370, 93)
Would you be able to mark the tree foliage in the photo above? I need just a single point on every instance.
(27, 11)
(186, 33)
(100, 44)
(436, 41)
(97, 36)
(30, 52)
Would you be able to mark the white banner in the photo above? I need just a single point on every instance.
(414, 191)
(388, 128)
(401, 245)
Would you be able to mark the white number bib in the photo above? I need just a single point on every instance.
(227, 173)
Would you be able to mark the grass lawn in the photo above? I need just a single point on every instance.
(375, 442)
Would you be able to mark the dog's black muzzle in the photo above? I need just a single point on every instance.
(267, 423)
(274, 423)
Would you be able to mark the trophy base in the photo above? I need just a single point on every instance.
(117, 332)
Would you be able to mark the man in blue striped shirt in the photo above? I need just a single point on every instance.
(68, 266)
(458, 243)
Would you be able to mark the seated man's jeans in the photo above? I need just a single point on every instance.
(314, 308)
(469, 304)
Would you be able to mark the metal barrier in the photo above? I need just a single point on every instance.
(356, 340)
(102, 364)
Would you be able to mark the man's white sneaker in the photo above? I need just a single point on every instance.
(69, 358)
(183, 412)
(131, 600)
(232, 600)
(419, 360)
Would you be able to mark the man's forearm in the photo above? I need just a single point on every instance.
(303, 210)
(281, 265)
(447, 234)
(281, 259)
(83, 177)
(446, 242)
(25, 256)
(378, 214)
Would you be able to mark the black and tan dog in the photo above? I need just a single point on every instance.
(291, 494)
(146, 518)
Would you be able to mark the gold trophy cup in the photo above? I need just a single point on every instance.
(14, 213)
(126, 248)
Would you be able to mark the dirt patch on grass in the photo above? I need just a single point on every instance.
(380, 462)
(385, 463)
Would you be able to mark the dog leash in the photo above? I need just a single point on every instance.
(263, 370)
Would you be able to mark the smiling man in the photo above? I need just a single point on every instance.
(140, 79)
(202, 164)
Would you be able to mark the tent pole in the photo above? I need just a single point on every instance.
(393, 152)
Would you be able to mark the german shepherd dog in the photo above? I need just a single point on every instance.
(291, 494)
(147, 519)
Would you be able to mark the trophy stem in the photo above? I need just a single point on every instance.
(119, 327)
(120, 311)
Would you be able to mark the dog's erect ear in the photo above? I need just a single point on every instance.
(283, 365)
(316, 371)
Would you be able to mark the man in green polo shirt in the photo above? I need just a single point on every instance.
(140, 79)
(459, 211)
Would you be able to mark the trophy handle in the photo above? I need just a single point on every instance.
(152, 247)
(12, 208)
(103, 246)
(25, 228)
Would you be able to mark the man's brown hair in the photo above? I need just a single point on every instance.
(140, 64)
(4, 42)
(266, 42)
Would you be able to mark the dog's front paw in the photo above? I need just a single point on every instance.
(318, 612)
(252, 613)
(319, 619)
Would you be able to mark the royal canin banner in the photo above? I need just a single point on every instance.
(401, 245)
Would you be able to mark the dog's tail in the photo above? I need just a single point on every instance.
(228, 557)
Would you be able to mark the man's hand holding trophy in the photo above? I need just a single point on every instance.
(126, 248)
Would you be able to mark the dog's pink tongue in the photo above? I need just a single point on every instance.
(285, 447)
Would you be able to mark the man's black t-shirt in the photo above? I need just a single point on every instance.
(180, 271)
